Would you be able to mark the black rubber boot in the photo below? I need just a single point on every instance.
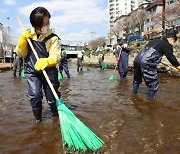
(135, 88)
(152, 94)
(54, 110)
(38, 115)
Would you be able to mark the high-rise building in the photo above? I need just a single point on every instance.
(144, 2)
(118, 8)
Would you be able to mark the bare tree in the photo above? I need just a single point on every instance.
(115, 31)
(174, 13)
(138, 18)
(98, 42)
(125, 25)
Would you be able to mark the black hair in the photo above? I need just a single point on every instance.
(36, 16)
(171, 35)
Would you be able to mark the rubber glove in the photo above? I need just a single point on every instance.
(42, 63)
(178, 68)
(22, 42)
(117, 58)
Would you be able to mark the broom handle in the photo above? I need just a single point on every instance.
(23, 63)
(36, 55)
(169, 66)
(117, 61)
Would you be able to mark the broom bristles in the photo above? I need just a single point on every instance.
(75, 134)
(22, 74)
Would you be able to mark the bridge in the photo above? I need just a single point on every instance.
(72, 53)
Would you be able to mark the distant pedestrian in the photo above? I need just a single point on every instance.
(17, 63)
(80, 58)
(101, 61)
(63, 64)
(122, 57)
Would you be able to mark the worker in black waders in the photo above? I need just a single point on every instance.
(47, 46)
(63, 64)
(145, 63)
(122, 57)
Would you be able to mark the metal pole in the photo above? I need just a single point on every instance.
(163, 16)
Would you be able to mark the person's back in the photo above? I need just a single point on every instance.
(152, 53)
(145, 63)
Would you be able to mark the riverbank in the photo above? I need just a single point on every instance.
(110, 60)
(5, 66)
(163, 67)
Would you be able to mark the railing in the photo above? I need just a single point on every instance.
(2, 59)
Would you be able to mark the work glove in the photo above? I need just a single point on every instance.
(178, 68)
(22, 42)
(117, 59)
(42, 63)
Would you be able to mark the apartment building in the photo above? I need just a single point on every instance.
(172, 14)
(118, 8)
(153, 26)
(149, 17)
(153, 23)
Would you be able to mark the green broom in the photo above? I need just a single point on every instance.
(75, 135)
(111, 78)
(59, 76)
(87, 68)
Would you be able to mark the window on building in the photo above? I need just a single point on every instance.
(153, 10)
(171, 2)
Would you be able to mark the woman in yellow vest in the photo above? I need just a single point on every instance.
(47, 46)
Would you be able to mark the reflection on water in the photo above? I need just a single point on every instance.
(127, 123)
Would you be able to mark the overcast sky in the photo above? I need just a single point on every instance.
(74, 20)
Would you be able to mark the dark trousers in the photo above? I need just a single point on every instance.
(37, 82)
(17, 66)
(79, 65)
(63, 65)
(101, 63)
(148, 73)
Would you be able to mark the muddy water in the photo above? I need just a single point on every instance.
(127, 123)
